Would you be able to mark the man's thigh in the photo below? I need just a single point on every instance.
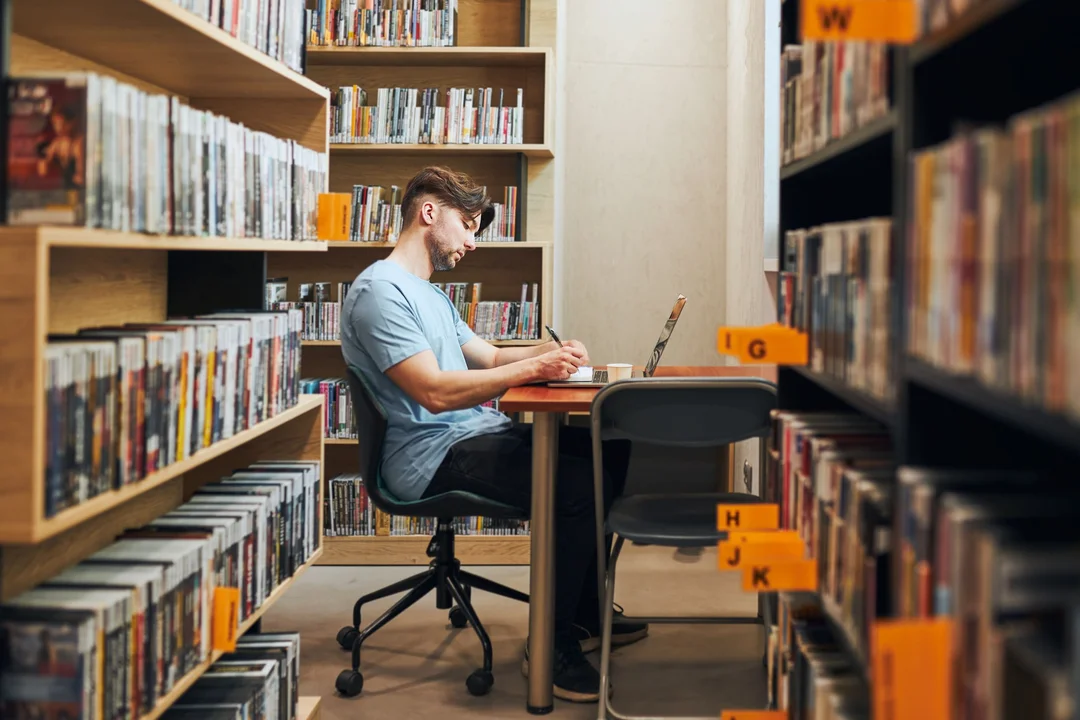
(497, 466)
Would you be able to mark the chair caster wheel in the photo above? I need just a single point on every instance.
(458, 618)
(349, 683)
(480, 682)
(346, 636)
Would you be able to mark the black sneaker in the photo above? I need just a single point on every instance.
(575, 679)
(623, 632)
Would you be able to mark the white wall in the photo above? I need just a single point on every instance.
(642, 182)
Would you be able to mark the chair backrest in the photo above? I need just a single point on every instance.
(684, 412)
(371, 430)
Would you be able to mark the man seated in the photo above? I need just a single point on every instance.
(431, 373)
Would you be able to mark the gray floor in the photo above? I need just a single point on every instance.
(416, 667)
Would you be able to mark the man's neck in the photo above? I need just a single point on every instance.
(411, 253)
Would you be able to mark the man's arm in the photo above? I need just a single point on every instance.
(440, 390)
(481, 354)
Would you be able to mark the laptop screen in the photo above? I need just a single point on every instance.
(658, 349)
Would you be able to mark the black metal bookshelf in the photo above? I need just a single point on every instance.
(999, 59)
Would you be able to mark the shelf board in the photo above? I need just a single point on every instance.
(308, 707)
(496, 343)
(201, 61)
(873, 131)
(340, 441)
(424, 56)
(536, 150)
(80, 237)
(974, 18)
(185, 683)
(866, 404)
(66, 519)
(411, 550)
(1004, 407)
(523, 245)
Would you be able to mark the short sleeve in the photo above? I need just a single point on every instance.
(386, 326)
(464, 332)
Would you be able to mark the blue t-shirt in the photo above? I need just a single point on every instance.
(388, 316)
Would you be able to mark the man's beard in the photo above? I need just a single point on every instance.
(441, 258)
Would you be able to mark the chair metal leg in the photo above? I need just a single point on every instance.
(481, 583)
(400, 586)
(605, 630)
(465, 604)
(426, 585)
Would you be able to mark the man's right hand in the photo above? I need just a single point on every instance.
(559, 364)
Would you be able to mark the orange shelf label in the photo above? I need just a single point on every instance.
(764, 536)
(226, 618)
(772, 344)
(754, 715)
(748, 516)
(789, 575)
(908, 654)
(888, 21)
(733, 556)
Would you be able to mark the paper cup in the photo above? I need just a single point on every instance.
(619, 371)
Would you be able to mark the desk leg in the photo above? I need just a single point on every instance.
(542, 567)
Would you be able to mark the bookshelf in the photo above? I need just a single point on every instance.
(968, 411)
(62, 277)
(501, 44)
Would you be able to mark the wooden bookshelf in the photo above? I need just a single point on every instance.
(500, 44)
(185, 683)
(19, 523)
(496, 343)
(429, 56)
(52, 236)
(161, 43)
(411, 550)
(308, 708)
(421, 150)
(63, 279)
(484, 246)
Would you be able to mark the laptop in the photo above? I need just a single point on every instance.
(600, 377)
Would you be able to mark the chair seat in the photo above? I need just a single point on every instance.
(456, 503)
(687, 520)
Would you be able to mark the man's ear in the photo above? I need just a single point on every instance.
(429, 211)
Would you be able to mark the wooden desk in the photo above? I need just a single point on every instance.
(547, 404)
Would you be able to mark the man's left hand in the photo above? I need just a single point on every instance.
(578, 345)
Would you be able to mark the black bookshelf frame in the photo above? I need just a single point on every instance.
(1001, 58)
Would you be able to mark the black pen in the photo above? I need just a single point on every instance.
(553, 335)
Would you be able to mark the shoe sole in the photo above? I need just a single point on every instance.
(569, 695)
(621, 640)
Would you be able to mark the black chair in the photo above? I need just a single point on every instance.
(444, 574)
(672, 412)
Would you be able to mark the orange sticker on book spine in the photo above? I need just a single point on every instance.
(748, 516)
(786, 575)
(908, 654)
(887, 21)
(226, 618)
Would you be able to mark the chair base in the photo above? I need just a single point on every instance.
(453, 590)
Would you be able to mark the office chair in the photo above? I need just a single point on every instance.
(444, 574)
(674, 412)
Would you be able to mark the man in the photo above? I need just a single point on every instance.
(431, 373)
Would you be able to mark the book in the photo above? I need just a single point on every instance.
(91, 151)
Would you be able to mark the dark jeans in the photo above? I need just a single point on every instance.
(499, 466)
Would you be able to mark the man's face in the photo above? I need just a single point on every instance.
(450, 237)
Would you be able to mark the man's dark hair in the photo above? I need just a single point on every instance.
(453, 189)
